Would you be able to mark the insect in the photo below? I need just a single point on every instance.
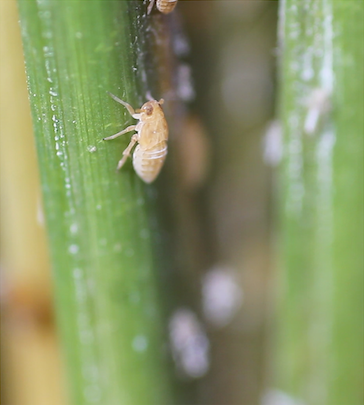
(319, 105)
(164, 6)
(151, 136)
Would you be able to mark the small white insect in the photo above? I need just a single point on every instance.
(164, 6)
(189, 343)
(319, 104)
(221, 296)
(152, 137)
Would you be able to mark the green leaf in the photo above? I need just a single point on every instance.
(320, 342)
(98, 222)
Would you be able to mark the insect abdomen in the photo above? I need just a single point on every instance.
(166, 6)
(148, 162)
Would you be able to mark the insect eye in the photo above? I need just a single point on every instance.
(149, 109)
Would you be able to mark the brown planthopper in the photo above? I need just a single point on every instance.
(151, 136)
(164, 6)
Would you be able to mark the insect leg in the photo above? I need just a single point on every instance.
(125, 104)
(150, 7)
(124, 131)
(127, 151)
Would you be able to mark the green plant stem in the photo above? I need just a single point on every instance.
(97, 220)
(320, 342)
